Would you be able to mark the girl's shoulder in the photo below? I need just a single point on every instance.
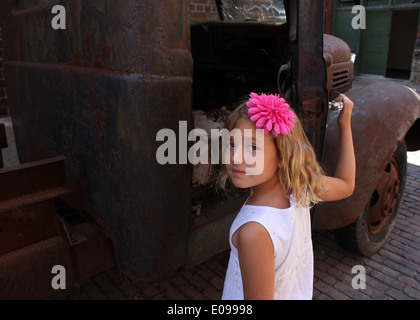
(275, 220)
(270, 218)
(275, 225)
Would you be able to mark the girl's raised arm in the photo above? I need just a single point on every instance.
(343, 183)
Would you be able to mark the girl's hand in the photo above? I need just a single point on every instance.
(344, 119)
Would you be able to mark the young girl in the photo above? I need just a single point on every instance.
(271, 246)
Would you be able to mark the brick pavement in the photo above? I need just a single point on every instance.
(391, 274)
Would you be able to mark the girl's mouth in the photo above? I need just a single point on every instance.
(238, 173)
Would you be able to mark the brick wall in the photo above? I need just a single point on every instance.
(4, 110)
(203, 10)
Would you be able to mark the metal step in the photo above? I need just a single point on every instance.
(34, 237)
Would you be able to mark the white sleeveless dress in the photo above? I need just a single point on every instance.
(290, 231)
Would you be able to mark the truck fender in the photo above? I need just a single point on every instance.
(383, 114)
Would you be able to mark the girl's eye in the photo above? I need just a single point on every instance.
(253, 147)
(232, 145)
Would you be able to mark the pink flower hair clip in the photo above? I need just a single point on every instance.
(271, 113)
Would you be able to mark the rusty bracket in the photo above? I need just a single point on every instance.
(73, 238)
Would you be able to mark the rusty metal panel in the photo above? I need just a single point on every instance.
(98, 93)
(111, 149)
(383, 114)
(340, 67)
(25, 226)
(136, 36)
(31, 183)
(27, 273)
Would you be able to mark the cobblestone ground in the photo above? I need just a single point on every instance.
(391, 274)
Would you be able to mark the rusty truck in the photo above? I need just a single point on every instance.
(87, 102)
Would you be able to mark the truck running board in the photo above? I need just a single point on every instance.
(34, 238)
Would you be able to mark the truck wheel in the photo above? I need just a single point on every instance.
(371, 230)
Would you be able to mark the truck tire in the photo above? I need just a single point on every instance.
(371, 230)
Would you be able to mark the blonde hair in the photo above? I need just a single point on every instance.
(300, 173)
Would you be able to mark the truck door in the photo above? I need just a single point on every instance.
(309, 95)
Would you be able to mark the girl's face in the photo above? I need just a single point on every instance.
(260, 148)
